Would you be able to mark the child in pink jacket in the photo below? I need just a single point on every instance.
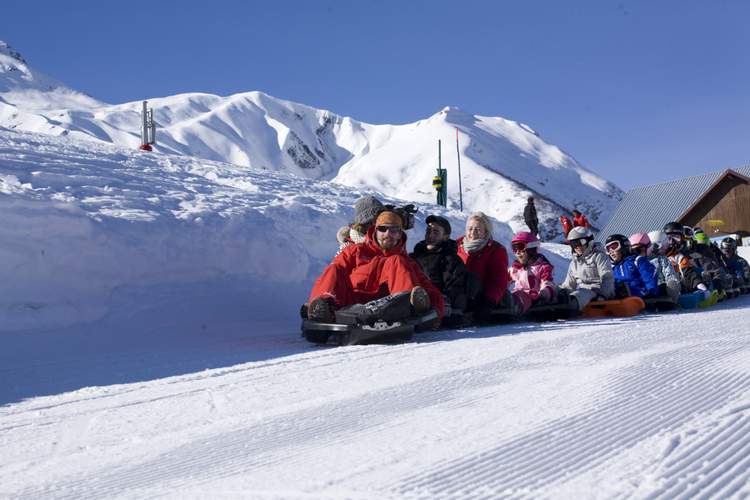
(531, 274)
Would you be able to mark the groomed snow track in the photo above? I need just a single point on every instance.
(655, 406)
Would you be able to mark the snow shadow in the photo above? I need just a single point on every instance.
(153, 333)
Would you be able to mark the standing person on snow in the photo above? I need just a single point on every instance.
(488, 261)
(366, 209)
(580, 220)
(438, 256)
(531, 274)
(669, 282)
(589, 274)
(681, 262)
(567, 225)
(630, 278)
(371, 270)
(530, 217)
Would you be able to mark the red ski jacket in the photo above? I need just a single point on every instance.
(491, 265)
(363, 272)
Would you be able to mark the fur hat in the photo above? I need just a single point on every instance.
(366, 209)
(481, 217)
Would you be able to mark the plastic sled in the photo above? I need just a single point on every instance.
(661, 303)
(551, 312)
(389, 319)
(618, 308)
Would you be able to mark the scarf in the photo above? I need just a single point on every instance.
(474, 246)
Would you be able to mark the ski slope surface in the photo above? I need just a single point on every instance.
(651, 407)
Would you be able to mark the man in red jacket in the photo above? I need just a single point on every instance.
(371, 270)
(580, 220)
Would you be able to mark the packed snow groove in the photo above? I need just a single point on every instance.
(682, 396)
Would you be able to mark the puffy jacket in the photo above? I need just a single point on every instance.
(566, 224)
(534, 277)
(490, 264)
(581, 221)
(639, 274)
(445, 269)
(665, 273)
(591, 270)
(738, 267)
(365, 265)
(689, 275)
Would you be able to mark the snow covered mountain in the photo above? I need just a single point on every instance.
(502, 161)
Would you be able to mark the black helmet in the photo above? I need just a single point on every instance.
(674, 228)
(618, 242)
(728, 243)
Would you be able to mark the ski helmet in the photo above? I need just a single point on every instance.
(701, 238)
(728, 244)
(658, 241)
(674, 228)
(638, 241)
(524, 241)
(579, 233)
(619, 243)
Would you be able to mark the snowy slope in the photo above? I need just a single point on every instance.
(637, 408)
(149, 347)
(503, 161)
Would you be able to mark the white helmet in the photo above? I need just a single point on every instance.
(580, 233)
(658, 241)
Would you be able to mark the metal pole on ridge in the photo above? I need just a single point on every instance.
(460, 189)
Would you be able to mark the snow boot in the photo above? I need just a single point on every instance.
(321, 310)
(419, 300)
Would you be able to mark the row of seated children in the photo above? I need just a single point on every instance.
(471, 274)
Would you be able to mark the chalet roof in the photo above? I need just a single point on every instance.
(648, 208)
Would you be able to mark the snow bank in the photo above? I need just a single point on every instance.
(82, 220)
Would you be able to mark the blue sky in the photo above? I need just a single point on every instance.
(638, 91)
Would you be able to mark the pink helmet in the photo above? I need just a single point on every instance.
(524, 240)
(639, 240)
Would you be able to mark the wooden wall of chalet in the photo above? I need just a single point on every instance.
(728, 201)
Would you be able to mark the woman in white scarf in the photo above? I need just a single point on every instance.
(488, 260)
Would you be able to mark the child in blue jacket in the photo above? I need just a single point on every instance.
(637, 277)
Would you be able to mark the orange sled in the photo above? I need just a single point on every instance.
(629, 306)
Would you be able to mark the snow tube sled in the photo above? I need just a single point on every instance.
(628, 306)
(389, 319)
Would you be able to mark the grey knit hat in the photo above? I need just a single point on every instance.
(366, 209)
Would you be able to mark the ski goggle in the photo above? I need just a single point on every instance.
(674, 237)
(389, 229)
(576, 243)
(614, 246)
(518, 246)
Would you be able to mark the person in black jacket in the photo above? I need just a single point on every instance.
(438, 256)
(530, 217)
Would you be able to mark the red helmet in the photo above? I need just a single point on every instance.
(524, 240)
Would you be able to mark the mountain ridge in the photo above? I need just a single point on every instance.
(502, 161)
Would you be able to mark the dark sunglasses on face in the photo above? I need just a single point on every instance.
(518, 246)
(389, 229)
